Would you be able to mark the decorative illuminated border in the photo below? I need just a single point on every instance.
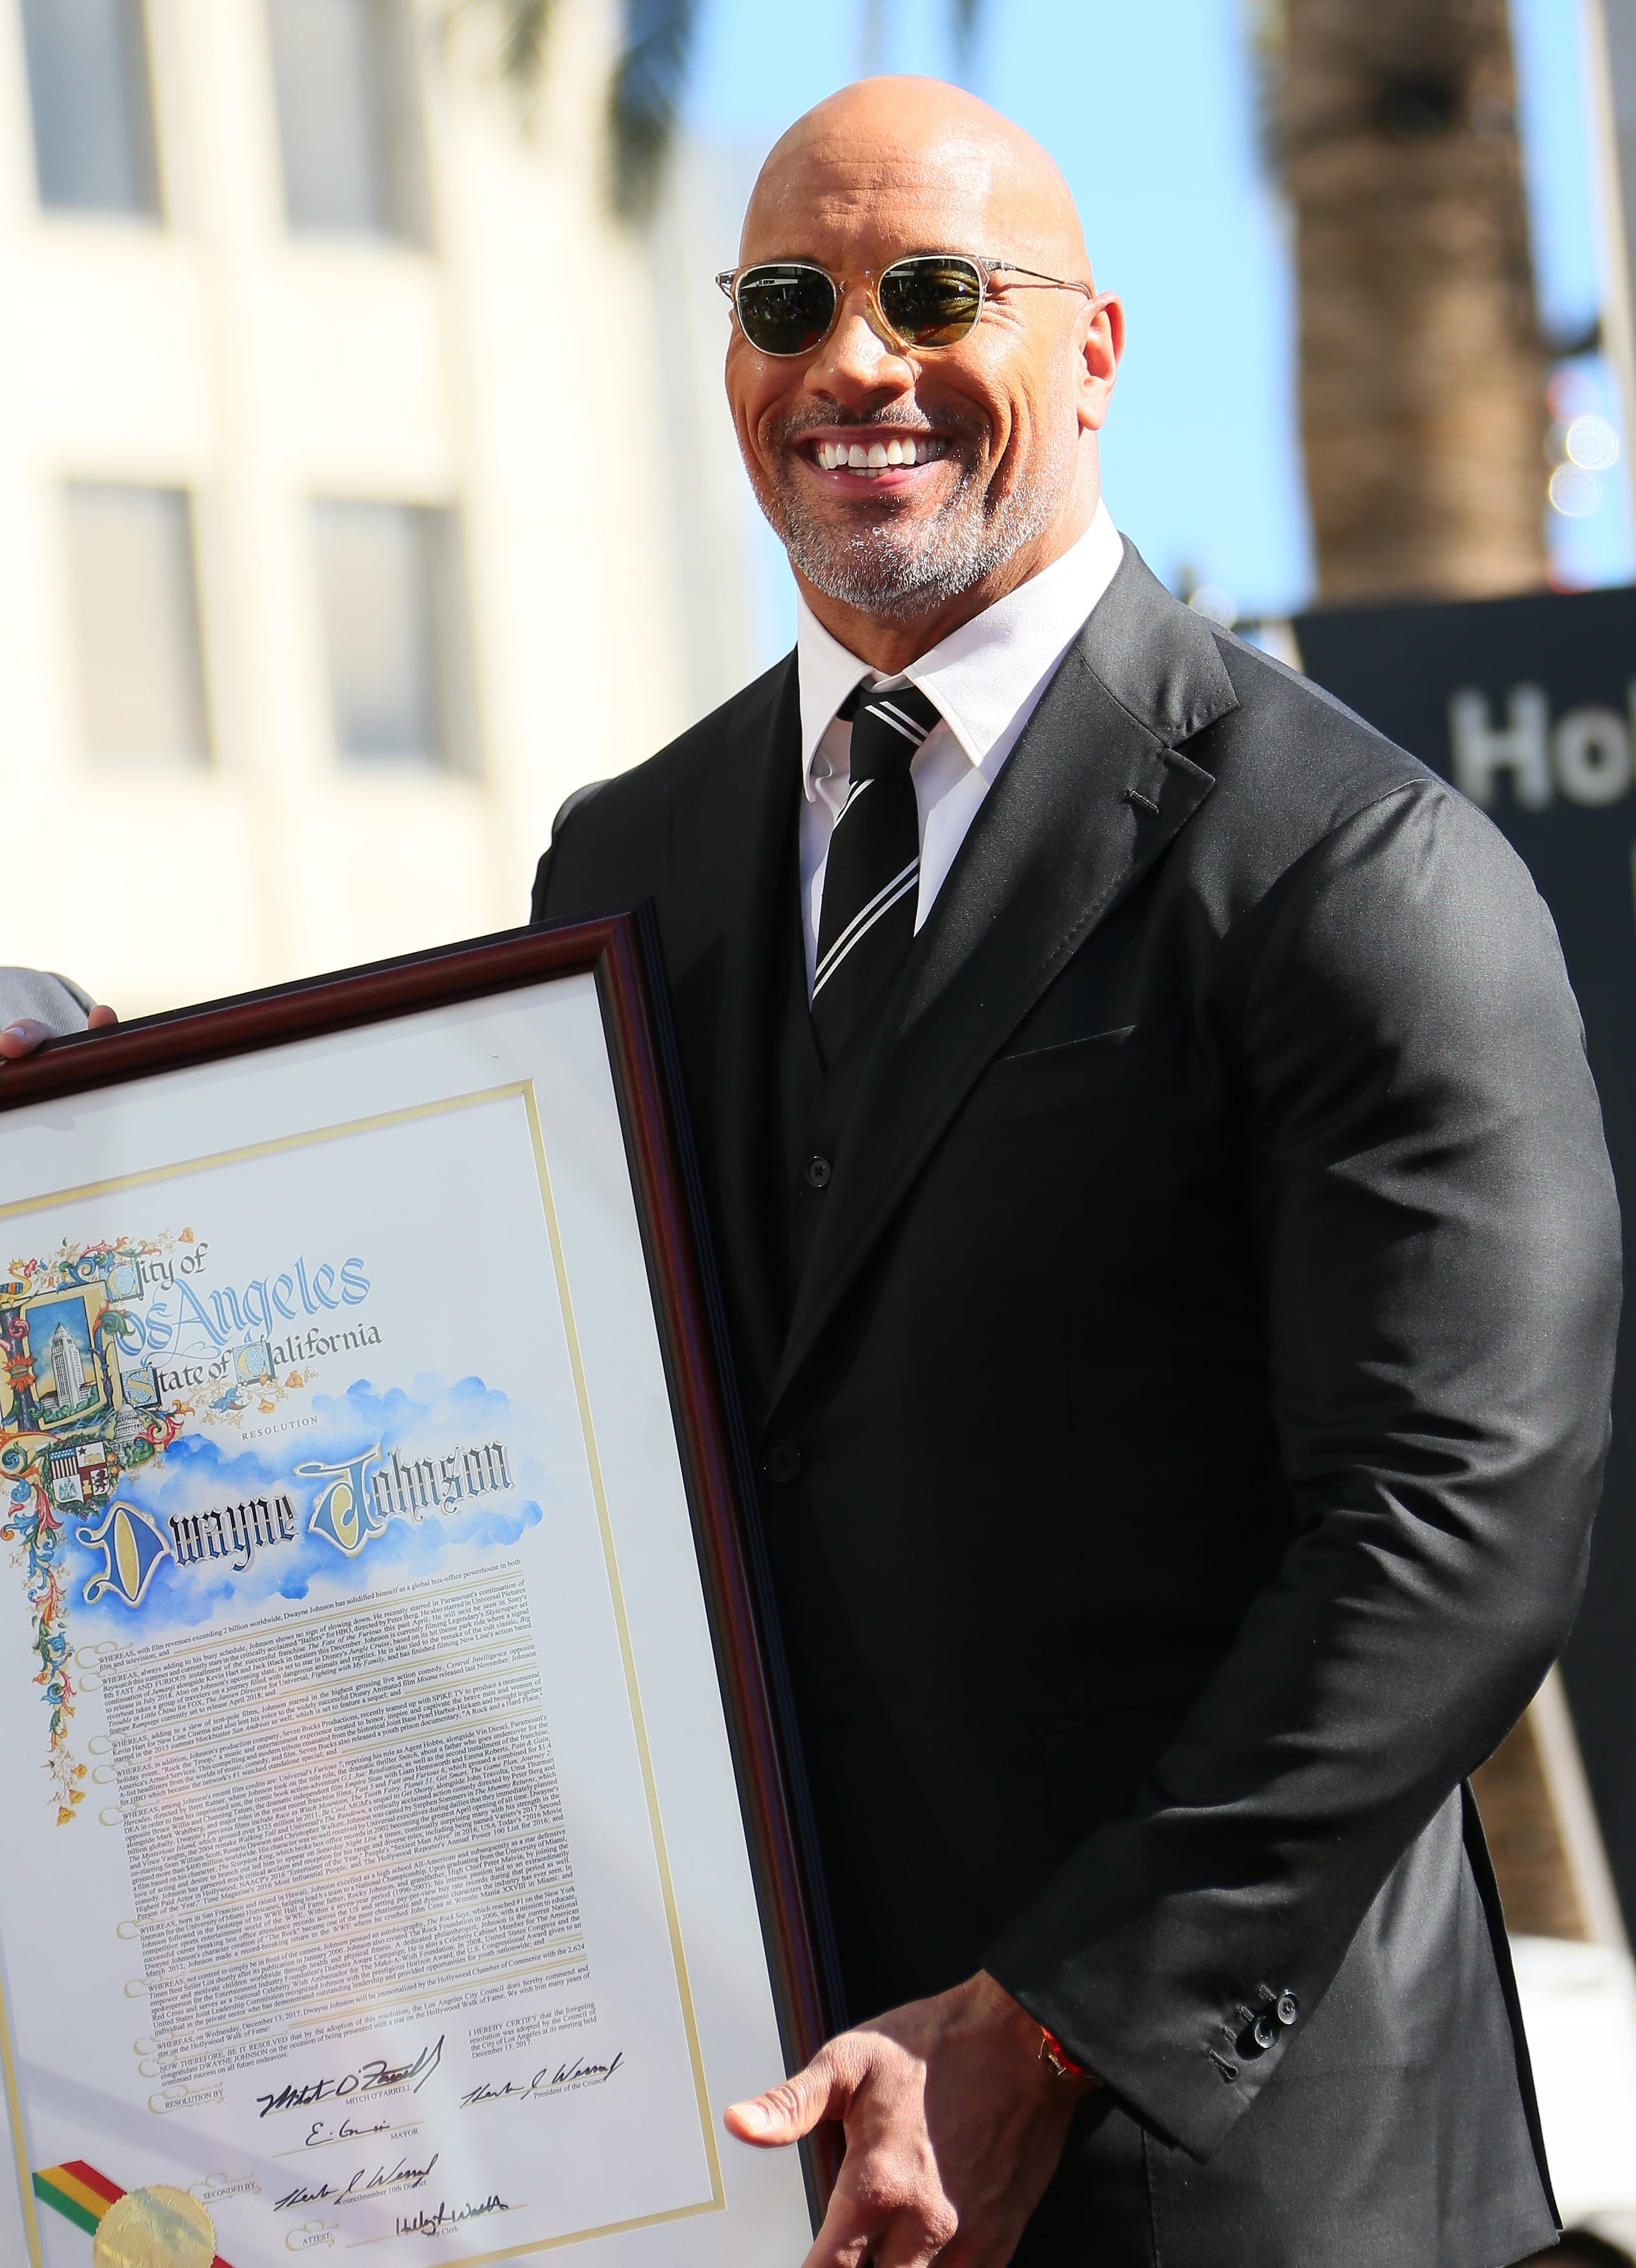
(523, 1091)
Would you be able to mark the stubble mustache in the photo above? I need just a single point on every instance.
(881, 560)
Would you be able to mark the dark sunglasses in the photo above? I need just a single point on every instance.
(931, 299)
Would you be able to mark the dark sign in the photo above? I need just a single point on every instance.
(1528, 705)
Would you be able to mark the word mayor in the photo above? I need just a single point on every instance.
(405, 1489)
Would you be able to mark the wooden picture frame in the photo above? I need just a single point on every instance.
(154, 1058)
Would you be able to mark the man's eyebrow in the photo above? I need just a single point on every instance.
(941, 250)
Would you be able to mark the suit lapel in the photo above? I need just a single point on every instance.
(770, 765)
(1092, 793)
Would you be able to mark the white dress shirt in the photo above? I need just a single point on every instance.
(986, 678)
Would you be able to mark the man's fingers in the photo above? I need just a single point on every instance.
(860, 2234)
(918, 2233)
(784, 2113)
(851, 2237)
(101, 1019)
(906, 2244)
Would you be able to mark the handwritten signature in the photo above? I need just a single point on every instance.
(433, 2224)
(361, 2187)
(544, 2082)
(321, 2136)
(369, 2079)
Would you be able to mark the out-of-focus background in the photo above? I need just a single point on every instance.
(365, 487)
(365, 484)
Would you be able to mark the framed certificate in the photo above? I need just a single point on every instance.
(398, 1859)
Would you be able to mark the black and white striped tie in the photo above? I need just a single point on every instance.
(871, 881)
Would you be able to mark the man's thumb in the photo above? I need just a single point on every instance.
(784, 2113)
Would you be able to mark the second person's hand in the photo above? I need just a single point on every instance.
(22, 1038)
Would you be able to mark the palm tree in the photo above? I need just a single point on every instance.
(1394, 124)
(647, 83)
(1422, 368)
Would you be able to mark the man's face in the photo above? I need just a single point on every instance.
(992, 425)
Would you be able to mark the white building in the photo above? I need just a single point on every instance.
(354, 505)
(68, 1369)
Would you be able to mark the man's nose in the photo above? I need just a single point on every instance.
(857, 361)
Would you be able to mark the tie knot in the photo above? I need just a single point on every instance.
(888, 728)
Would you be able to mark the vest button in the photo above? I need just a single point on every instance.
(818, 1173)
(783, 1462)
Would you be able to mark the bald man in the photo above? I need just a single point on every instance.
(1171, 1267)
(1172, 1262)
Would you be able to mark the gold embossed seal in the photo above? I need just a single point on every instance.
(156, 2227)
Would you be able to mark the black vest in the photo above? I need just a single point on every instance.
(813, 1109)
(923, 1936)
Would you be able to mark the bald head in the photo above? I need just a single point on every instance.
(919, 465)
(914, 153)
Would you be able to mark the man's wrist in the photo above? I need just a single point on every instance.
(1056, 2059)
(1058, 2071)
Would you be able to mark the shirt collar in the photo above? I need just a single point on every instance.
(988, 670)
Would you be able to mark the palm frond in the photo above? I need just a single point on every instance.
(648, 80)
(525, 26)
(1268, 25)
(964, 18)
(645, 97)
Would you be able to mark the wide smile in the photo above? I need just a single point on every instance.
(883, 462)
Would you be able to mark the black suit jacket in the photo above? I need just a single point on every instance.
(1200, 1386)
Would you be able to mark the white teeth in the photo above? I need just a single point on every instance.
(839, 456)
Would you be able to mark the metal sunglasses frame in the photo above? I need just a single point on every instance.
(1032, 279)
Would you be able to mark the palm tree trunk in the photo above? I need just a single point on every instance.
(1423, 413)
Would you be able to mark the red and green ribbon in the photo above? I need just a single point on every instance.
(83, 2195)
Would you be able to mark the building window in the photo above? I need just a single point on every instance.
(349, 117)
(392, 584)
(91, 104)
(137, 626)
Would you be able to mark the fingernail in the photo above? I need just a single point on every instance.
(756, 2114)
(14, 1032)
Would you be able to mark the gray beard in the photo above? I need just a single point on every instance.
(895, 570)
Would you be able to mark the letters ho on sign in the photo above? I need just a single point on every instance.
(1529, 706)
(1584, 754)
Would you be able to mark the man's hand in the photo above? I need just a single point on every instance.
(954, 2129)
(22, 1037)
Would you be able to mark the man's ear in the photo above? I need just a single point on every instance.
(1101, 344)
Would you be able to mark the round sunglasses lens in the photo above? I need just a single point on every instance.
(784, 310)
(931, 302)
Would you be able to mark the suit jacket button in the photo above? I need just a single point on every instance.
(1288, 2008)
(783, 1462)
(1265, 2033)
(818, 1172)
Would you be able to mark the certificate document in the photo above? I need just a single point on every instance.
(375, 1872)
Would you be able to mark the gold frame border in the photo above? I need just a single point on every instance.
(516, 1090)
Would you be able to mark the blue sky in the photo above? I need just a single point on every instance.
(1151, 111)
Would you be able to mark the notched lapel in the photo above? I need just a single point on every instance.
(1094, 790)
(747, 1063)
